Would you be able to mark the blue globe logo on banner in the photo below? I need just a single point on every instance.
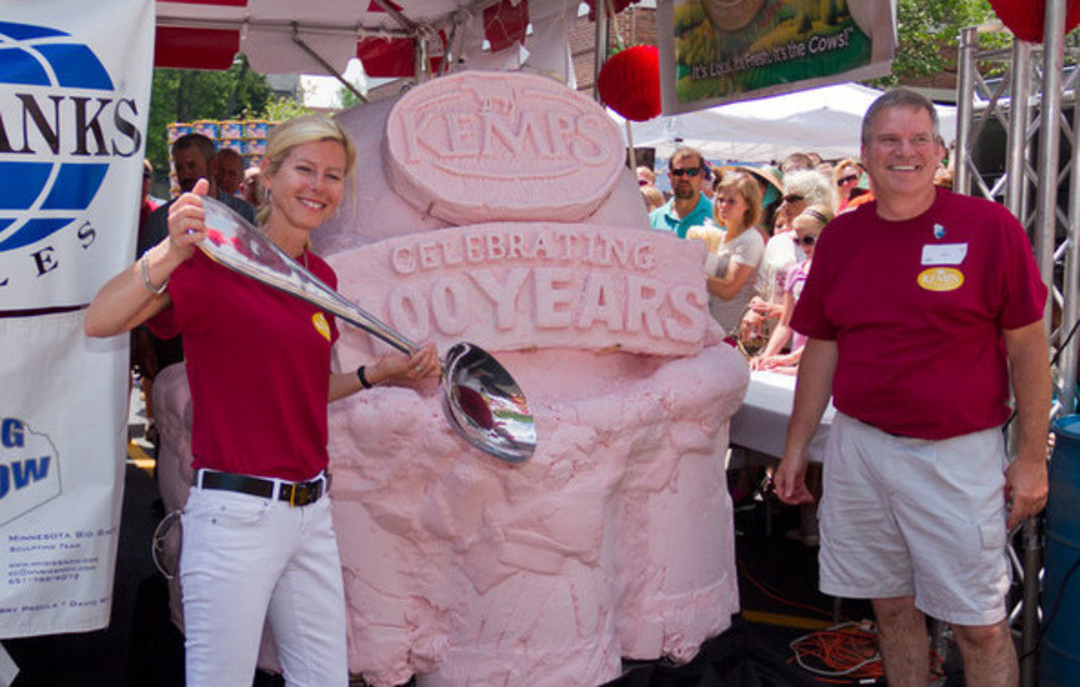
(39, 196)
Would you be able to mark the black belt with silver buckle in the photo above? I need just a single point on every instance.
(295, 493)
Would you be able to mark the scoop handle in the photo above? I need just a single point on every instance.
(280, 271)
(352, 313)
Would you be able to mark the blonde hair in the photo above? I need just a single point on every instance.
(747, 187)
(838, 170)
(294, 132)
(822, 214)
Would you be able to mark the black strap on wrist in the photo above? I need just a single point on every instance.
(360, 374)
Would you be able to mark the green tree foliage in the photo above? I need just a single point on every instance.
(928, 35)
(278, 109)
(182, 95)
(347, 98)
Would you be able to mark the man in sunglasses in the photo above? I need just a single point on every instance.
(688, 207)
(921, 308)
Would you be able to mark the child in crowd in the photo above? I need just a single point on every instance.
(807, 227)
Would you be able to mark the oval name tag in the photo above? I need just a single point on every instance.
(941, 279)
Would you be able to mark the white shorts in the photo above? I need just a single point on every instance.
(913, 517)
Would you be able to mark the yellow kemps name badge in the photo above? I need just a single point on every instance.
(941, 279)
(321, 325)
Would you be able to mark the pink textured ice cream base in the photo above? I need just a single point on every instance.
(467, 570)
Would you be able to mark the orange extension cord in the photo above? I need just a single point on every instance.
(844, 654)
(847, 654)
(745, 573)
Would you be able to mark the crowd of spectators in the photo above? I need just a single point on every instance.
(696, 208)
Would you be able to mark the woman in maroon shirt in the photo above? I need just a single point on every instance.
(258, 540)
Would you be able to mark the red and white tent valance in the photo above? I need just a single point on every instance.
(207, 34)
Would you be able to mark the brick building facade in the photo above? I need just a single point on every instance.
(636, 25)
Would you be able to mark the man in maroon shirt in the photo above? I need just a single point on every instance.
(921, 308)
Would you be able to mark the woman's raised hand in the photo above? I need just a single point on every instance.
(186, 220)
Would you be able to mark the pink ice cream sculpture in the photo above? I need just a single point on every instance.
(497, 209)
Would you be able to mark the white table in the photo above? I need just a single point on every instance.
(761, 423)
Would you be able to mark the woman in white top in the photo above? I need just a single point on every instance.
(731, 272)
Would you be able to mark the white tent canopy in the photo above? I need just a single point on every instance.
(825, 120)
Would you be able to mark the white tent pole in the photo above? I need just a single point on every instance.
(324, 64)
(1070, 287)
(1016, 187)
(1049, 140)
(1046, 222)
(965, 87)
(600, 56)
(400, 18)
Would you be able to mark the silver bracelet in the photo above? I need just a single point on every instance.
(144, 268)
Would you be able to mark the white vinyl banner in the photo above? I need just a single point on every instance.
(62, 447)
(74, 98)
(74, 95)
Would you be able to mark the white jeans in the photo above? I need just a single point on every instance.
(247, 559)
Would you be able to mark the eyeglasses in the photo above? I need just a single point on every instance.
(849, 178)
(692, 172)
(807, 240)
(792, 198)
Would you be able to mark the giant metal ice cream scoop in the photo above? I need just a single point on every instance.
(483, 402)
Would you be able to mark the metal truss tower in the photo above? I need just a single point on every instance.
(1041, 187)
